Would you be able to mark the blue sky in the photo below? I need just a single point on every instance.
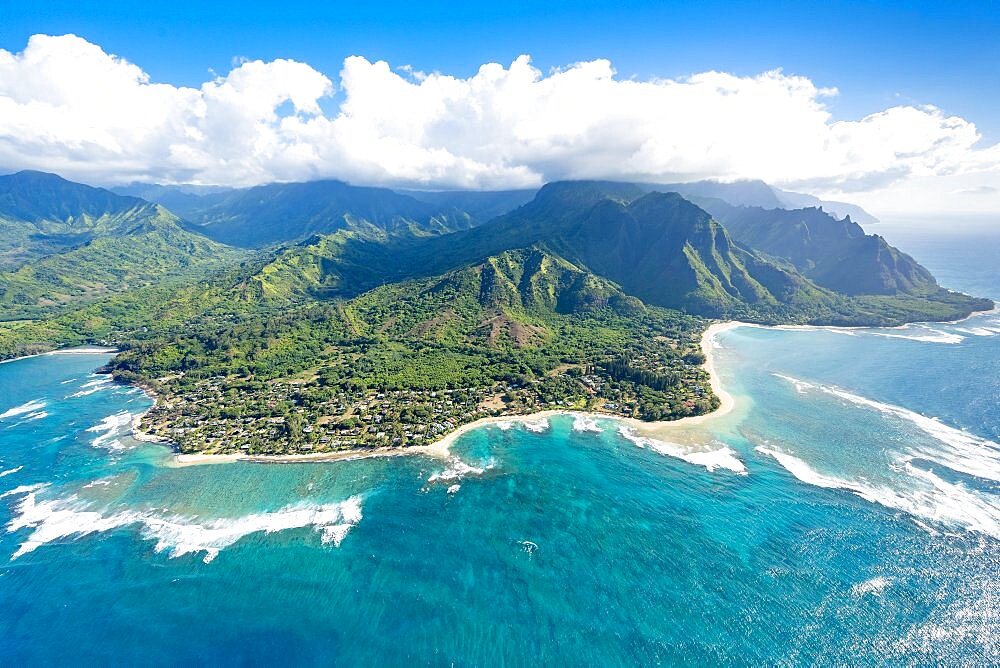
(876, 53)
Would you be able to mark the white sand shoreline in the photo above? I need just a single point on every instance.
(74, 350)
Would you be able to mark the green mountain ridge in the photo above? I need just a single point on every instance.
(43, 214)
(155, 248)
(668, 252)
(658, 247)
(40, 197)
(506, 300)
(653, 247)
(834, 253)
(65, 243)
(314, 268)
(281, 213)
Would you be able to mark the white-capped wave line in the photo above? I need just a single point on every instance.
(965, 452)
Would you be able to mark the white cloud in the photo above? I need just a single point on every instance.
(67, 106)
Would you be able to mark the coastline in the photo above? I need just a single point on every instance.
(73, 350)
(441, 448)
(995, 309)
(196, 459)
(84, 350)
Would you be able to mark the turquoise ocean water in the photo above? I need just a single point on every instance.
(856, 520)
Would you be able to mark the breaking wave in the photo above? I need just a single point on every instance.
(722, 458)
(35, 415)
(23, 489)
(930, 497)
(109, 429)
(585, 423)
(874, 585)
(965, 452)
(10, 471)
(177, 535)
(102, 383)
(539, 426)
(921, 333)
(978, 331)
(457, 469)
(846, 331)
(30, 407)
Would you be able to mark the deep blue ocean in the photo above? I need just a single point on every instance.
(865, 528)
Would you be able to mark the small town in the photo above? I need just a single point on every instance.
(284, 417)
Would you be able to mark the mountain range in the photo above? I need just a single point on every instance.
(834, 253)
(659, 247)
(755, 193)
(64, 245)
(190, 201)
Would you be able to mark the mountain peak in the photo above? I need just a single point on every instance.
(31, 174)
(669, 204)
(583, 193)
(34, 196)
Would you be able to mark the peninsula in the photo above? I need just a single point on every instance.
(363, 320)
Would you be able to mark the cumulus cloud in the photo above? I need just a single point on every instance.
(67, 106)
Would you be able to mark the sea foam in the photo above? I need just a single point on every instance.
(921, 333)
(874, 585)
(30, 407)
(457, 469)
(721, 458)
(10, 471)
(177, 535)
(23, 489)
(109, 429)
(927, 496)
(976, 331)
(536, 426)
(585, 423)
(102, 383)
(965, 452)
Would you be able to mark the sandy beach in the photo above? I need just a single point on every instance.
(76, 350)
(83, 350)
(726, 401)
(441, 448)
